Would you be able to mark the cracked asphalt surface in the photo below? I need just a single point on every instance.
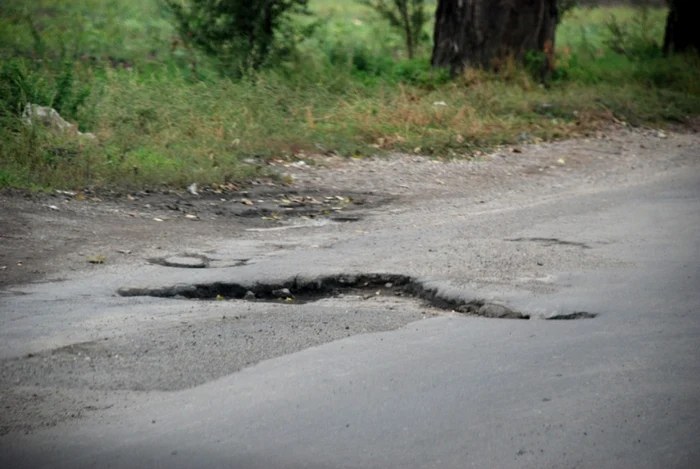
(89, 378)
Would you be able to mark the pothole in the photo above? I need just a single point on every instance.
(300, 290)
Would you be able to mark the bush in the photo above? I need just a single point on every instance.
(241, 33)
(634, 39)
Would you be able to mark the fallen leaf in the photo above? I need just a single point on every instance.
(219, 298)
(191, 217)
(96, 259)
(158, 219)
(247, 202)
(561, 161)
(80, 197)
(53, 207)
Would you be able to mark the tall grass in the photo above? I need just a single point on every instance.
(163, 114)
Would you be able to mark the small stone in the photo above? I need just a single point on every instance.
(492, 310)
(282, 293)
(249, 296)
(388, 285)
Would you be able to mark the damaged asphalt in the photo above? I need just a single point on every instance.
(377, 356)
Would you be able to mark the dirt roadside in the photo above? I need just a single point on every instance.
(49, 236)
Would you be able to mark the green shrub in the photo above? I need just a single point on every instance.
(69, 96)
(634, 39)
(240, 33)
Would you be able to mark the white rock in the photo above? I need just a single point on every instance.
(50, 118)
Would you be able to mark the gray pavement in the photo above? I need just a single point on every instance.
(405, 385)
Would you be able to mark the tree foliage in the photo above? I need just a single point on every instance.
(240, 32)
(408, 16)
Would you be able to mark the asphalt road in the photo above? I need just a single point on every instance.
(425, 389)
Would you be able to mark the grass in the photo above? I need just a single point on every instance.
(164, 116)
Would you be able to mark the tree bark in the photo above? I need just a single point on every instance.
(682, 32)
(483, 33)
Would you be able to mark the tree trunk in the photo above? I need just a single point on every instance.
(682, 33)
(482, 33)
(407, 26)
